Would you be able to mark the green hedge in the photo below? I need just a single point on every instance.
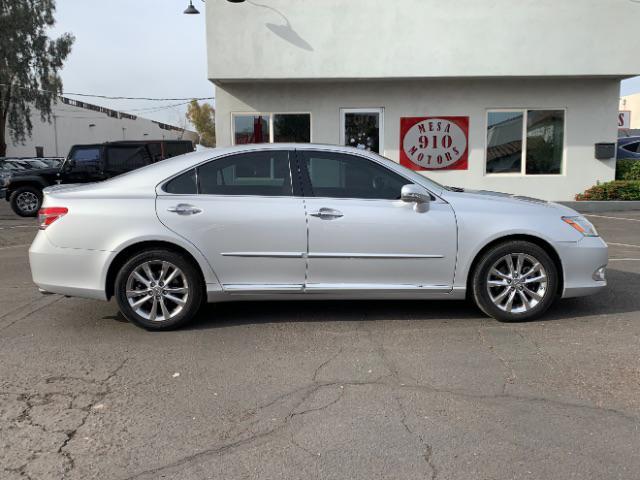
(616, 190)
(622, 169)
(628, 170)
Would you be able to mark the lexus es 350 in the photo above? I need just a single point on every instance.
(291, 221)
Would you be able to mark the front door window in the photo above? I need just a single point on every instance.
(362, 128)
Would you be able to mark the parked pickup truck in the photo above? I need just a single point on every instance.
(85, 164)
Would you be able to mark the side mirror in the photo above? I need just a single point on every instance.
(416, 194)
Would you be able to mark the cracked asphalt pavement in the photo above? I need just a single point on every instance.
(321, 390)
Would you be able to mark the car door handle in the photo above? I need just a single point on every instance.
(184, 209)
(327, 214)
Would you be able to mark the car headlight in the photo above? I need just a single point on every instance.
(4, 180)
(582, 225)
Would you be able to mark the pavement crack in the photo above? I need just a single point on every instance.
(64, 450)
(427, 454)
(510, 377)
(317, 371)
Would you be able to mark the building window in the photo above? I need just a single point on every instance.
(362, 128)
(291, 128)
(528, 142)
(271, 128)
(251, 129)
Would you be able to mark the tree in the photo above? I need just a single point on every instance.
(203, 119)
(29, 65)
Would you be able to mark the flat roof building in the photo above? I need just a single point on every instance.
(480, 94)
(76, 122)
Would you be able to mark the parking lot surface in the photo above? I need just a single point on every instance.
(331, 390)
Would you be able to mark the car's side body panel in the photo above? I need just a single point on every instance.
(248, 245)
(385, 244)
(251, 241)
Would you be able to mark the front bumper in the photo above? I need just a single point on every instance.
(68, 271)
(580, 260)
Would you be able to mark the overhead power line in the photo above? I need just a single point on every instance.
(109, 97)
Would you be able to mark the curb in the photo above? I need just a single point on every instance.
(603, 206)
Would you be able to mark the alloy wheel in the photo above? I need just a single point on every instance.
(517, 283)
(27, 202)
(157, 290)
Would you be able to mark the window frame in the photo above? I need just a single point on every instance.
(523, 160)
(378, 110)
(271, 119)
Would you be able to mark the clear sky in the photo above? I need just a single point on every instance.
(135, 48)
(144, 48)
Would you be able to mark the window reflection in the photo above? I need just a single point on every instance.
(504, 142)
(251, 129)
(362, 130)
(545, 141)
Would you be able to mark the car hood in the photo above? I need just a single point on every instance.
(492, 199)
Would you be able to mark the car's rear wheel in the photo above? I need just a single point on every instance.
(26, 201)
(515, 281)
(159, 290)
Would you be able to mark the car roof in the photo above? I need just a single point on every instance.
(150, 176)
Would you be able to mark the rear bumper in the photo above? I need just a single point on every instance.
(68, 271)
(580, 261)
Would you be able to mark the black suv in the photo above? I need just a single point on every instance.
(88, 163)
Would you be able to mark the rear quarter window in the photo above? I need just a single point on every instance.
(184, 184)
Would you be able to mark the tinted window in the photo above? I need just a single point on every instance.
(504, 142)
(173, 149)
(346, 176)
(124, 159)
(632, 147)
(256, 173)
(292, 127)
(87, 159)
(545, 141)
(185, 184)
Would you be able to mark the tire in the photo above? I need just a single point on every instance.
(493, 289)
(186, 286)
(26, 201)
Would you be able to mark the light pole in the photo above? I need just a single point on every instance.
(191, 10)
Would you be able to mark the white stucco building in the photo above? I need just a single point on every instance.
(521, 91)
(630, 105)
(75, 122)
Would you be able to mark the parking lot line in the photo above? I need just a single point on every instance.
(15, 246)
(624, 259)
(18, 226)
(628, 245)
(615, 218)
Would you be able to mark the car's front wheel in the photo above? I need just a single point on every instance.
(515, 281)
(159, 290)
(26, 201)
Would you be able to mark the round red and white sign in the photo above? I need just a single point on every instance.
(435, 143)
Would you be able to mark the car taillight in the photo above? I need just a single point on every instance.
(48, 215)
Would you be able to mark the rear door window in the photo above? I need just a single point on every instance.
(264, 173)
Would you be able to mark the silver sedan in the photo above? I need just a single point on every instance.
(288, 222)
